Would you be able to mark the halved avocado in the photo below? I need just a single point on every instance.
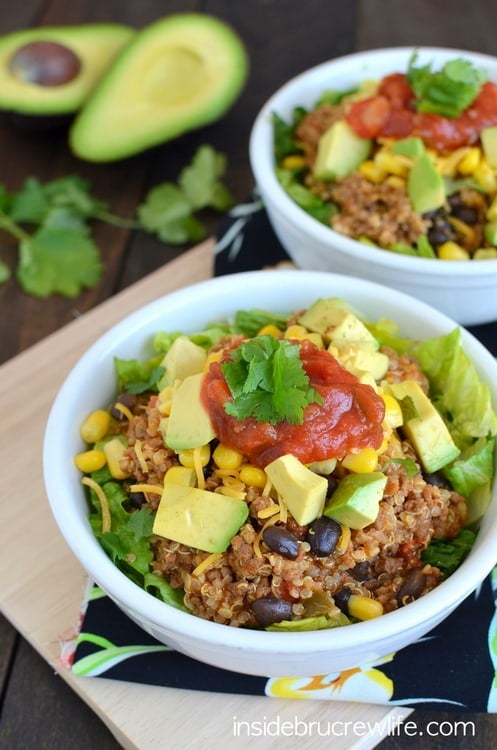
(49, 72)
(178, 74)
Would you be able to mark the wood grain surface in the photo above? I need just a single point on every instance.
(283, 37)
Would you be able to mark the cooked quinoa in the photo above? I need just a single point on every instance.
(381, 561)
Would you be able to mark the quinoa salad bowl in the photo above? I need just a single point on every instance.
(280, 472)
(383, 164)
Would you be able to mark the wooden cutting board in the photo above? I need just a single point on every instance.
(43, 599)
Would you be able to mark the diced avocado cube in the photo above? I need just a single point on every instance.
(424, 426)
(336, 323)
(189, 424)
(425, 186)
(412, 147)
(300, 489)
(199, 518)
(488, 137)
(355, 502)
(359, 360)
(183, 358)
(340, 151)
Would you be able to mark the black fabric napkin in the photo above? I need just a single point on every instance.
(452, 668)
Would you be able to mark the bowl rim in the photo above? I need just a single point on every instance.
(128, 594)
(261, 156)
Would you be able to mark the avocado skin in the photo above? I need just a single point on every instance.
(31, 107)
(178, 74)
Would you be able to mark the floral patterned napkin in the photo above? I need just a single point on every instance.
(452, 668)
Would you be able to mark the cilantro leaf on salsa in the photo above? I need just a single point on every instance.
(268, 382)
(447, 92)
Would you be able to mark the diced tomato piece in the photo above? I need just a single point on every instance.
(397, 90)
(368, 116)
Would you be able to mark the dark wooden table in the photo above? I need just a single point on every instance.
(283, 37)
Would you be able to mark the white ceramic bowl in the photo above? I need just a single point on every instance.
(464, 290)
(91, 385)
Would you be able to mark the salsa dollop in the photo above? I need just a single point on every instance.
(348, 420)
(391, 113)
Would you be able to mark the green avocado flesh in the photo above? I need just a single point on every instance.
(94, 45)
(178, 74)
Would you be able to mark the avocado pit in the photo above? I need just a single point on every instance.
(45, 63)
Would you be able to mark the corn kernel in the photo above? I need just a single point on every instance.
(165, 400)
(485, 253)
(293, 161)
(364, 608)
(362, 462)
(393, 412)
(469, 162)
(372, 172)
(186, 458)
(227, 458)
(296, 332)
(270, 330)
(95, 426)
(452, 251)
(486, 177)
(396, 182)
(184, 475)
(114, 450)
(89, 461)
(253, 476)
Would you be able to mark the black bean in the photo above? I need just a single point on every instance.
(323, 535)
(361, 571)
(137, 499)
(438, 235)
(437, 480)
(413, 586)
(282, 541)
(126, 399)
(270, 609)
(332, 485)
(341, 599)
(468, 214)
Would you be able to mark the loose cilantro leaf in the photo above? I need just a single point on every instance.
(447, 92)
(57, 261)
(268, 382)
(448, 554)
(51, 223)
(200, 181)
(167, 213)
(168, 209)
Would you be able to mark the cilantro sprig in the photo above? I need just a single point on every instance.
(51, 223)
(268, 382)
(446, 92)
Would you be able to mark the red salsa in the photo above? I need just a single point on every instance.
(391, 113)
(349, 419)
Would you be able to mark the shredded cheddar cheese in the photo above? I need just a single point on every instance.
(139, 455)
(156, 489)
(102, 499)
(124, 410)
(271, 510)
(206, 563)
